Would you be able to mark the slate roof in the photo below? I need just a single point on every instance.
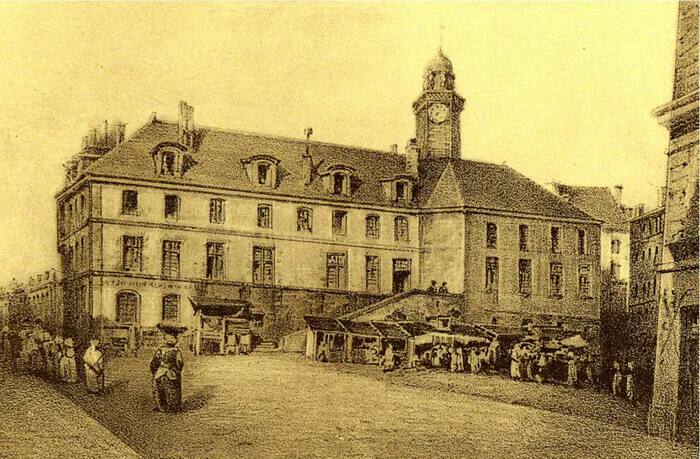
(220, 152)
(324, 323)
(599, 203)
(359, 328)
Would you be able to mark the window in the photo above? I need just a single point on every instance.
(401, 229)
(264, 216)
(491, 274)
(615, 246)
(215, 260)
(336, 270)
(171, 258)
(582, 243)
(524, 233)
(554, 236)
(171, 307)
(340, 183)
(82, 207)
(264, 175)
(263, 265)
(304, 219)
(555, 280)
(491, 235)
(525, 276)
(401, 191)
(172, 206)
(127, 308)
(130, 202)
(372, 226)
(216, 210)
(132, 252)
(167, 163)
(372, 273)
(340, 223)
(584, 285)
(401, 276)
(615, 270)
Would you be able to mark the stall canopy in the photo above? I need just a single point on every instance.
(358, 328)
(324, 324)
(224, 307)
(390, 330)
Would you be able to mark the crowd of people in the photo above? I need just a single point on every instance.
(31, 350)
(624, 383)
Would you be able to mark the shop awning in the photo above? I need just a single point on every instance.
(324, 323)
(222, 307)
(359, 328)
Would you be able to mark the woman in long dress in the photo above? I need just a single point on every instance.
(93, 363)
(166, 367)
(515, 362)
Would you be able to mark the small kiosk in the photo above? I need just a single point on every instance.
(224, 325)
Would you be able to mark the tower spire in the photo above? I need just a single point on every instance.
(442, 32)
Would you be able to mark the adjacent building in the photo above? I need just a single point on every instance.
(646, 250)
(179, 214)
(674, 410)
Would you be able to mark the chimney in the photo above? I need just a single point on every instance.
(661, 196)
(93, 137)
(306, 159)
(394, 148)
(639, 210)
(617, 194)
(412, 153)
(185, 125)
(119, 130)
(106, 137)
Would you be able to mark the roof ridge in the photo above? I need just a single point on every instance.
(280, 137)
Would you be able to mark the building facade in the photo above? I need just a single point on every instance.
(646, 251)
(674, 410)
(147, 225)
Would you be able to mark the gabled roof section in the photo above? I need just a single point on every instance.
(447, 192)
(491, 187)
(599, 203)
(220, 153)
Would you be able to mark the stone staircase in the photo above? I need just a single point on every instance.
(267, 346)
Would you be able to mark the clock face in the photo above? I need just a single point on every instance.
(438, 113)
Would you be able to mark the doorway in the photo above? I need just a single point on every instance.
(401, 277)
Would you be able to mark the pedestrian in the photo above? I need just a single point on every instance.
(460, 359)
(433, 287)
(572, 369)
(474, 362)
(453, 359)
(630, 386)
(45, 351)
(443, 288)
(69, 371)
(93, 364)
(617, 380)
(57, 355)
(493, 352)
(515, 362)
(166, 368)
(388, 361)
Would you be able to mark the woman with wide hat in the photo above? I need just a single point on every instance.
(166, 368)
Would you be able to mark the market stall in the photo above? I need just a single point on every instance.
(223, 326)
(326, 339)
(363, 342)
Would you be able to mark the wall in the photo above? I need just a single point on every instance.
(508, 305)
(442, 250)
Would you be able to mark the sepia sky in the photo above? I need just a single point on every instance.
(558, 91)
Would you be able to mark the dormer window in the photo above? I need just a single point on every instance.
(172, 159)
(340, 183)
(338, 180)
(399, 189)
(261, 170)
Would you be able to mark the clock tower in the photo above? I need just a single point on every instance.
(438, 110)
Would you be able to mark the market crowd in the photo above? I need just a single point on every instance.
(31, 350)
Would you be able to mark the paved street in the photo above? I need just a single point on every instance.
(37, 422)
(271, 405)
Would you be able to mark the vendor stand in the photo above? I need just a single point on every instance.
(392, 333)
(223, 325)
(362, 342)
(326, 339)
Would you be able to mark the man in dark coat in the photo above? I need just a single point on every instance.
(166, 367)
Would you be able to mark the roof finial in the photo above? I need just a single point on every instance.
(442, 31)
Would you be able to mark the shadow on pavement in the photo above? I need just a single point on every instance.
(199, 400)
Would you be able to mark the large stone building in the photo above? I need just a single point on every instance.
(150, 225)
(646, 249)
(674, 410)
(606, 206)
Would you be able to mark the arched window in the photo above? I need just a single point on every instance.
(340, 183)
(401, 229)
(171, 307)
(127, 307)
